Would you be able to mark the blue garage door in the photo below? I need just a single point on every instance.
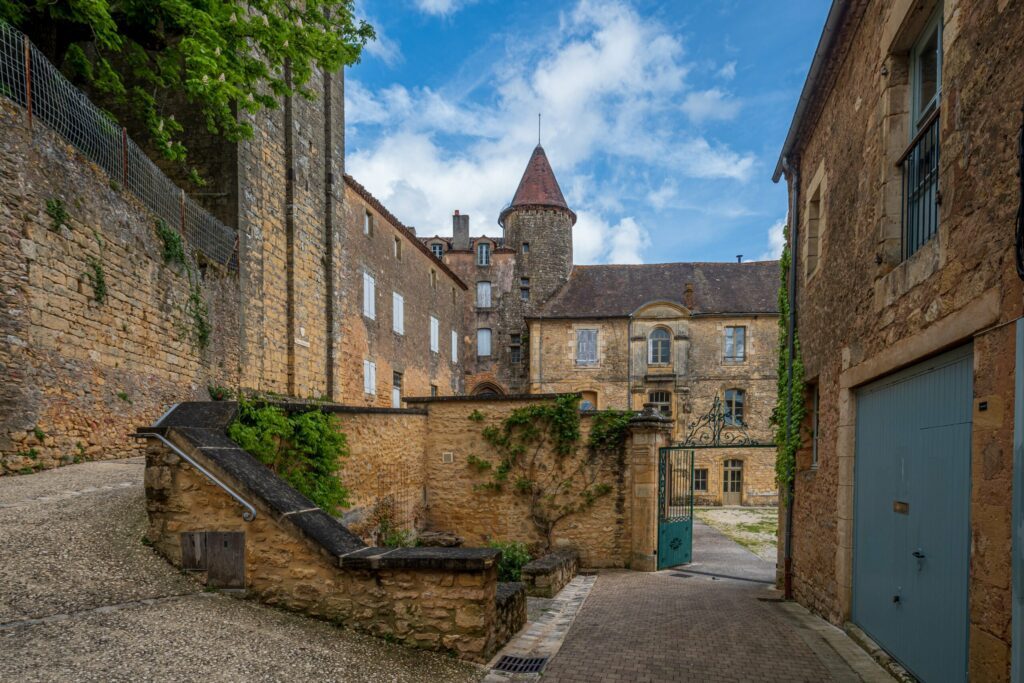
(911, 515)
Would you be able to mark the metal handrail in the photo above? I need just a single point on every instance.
(250, 511)
(922, 131)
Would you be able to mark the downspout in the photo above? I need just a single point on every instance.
(629, 364)
(793, 181)
(1017, 610)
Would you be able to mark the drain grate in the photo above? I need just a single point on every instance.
(681, 575)
(520, 665)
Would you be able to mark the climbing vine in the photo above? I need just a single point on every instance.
(554, 488)
(173, 248)
(303, 448)
(57, 213)
(789, 405)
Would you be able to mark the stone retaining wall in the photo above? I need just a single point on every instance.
(298, 557)
(547, 575)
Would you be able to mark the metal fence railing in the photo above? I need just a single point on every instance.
(29, 79)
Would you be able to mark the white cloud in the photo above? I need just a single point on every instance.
(661, 197)
(776, 240)
(610, 85)
(441, 7)
(384, 49)
(728, 71)
(710, 104)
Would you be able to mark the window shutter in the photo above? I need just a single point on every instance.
(435, 334)
(455, 346)
(366, 376)
(398, 305)
(373, 378)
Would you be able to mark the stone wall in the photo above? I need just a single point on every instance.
(385, 463)
(867, 312)
(85, 373)
(428, 288)
(298, 558)
(553, 367)
(455, 502)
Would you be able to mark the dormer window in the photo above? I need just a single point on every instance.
(438, 249)
(483, 254)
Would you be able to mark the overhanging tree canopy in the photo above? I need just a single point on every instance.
(223, 56)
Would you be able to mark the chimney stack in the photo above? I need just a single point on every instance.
(460, 231)
(739, 258)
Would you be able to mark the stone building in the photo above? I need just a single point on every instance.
(676, 334)
(902, 172)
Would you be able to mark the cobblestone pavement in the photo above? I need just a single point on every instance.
(82, 599)
(680, 625)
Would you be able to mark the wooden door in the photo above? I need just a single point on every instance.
(732, 482)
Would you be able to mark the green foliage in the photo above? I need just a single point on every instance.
(476, 416)
(97, 279)
(788, 414)
(514, 555)
(173, 246)
(218, 393)
(524, 443)
(124, 397)
(224, 58)
(196, 310)
(305, 449)
(31, 454)
(38, 433)
(55, 210)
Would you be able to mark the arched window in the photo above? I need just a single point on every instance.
(659, 347)
(734, 400)
(588, 400)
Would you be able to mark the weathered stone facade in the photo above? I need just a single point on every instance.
(289, 321)
(865, 310)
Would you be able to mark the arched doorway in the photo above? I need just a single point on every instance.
(732, 482)
(488, 389)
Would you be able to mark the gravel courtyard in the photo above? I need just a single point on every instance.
(82, 598)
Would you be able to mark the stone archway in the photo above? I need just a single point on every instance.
(488, 389)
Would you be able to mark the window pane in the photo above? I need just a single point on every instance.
(483, 342)
(483, 294)
(586, 346)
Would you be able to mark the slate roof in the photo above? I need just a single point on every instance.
(614, 291)
(538, 186)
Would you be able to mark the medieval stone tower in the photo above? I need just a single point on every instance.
(538, 227)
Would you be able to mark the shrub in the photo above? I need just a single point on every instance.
(514, 555)
(305, 449)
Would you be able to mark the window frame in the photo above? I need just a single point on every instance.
(727, 341)
(398, 248)
(437, 249)
(396, 389)
(526, 248)
(483, 254)
(369, 377)
(661, 397)
(729, 408)
(490, 342)
(582, 361)
(667, 341)
(483, 285)
(696, 478)
(515, 349)
(367, 223)
(369, 296)
(397, 313)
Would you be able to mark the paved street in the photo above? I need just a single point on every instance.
(692, 624)
(82, 599)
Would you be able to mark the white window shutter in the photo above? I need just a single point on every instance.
(455, 346)
(398, 312)
(435, 334)
(366, 376)
(373, 378)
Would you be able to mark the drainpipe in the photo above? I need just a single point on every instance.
(1017, 614)
(793, 180)
(629, 364)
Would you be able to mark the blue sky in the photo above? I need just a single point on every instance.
(662, 120)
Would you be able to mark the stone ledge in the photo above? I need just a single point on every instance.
(450, 559)
(483, 399)
(547, 575)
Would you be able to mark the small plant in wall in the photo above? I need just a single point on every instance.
(173, 248)
(514, 556)
(57, 213)
(95, 274)
(540, 457)
(199, 315)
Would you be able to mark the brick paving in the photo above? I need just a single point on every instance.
(678, 626)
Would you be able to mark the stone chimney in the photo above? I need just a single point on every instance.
(460, 231)
(688, 296)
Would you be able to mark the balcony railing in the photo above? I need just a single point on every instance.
(920, 169)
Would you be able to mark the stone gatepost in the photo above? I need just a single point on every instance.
(648, 432)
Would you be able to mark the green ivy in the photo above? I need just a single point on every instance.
(97, 279)
(789, 405)
(57, 213)
(556, 490)
(195, 308)
(218, 393)
(514, 555)
(476, 416)
(173, 246)
(305, 449)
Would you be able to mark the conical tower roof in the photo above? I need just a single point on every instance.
(538, 187)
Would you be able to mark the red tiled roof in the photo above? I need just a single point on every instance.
(538, 186)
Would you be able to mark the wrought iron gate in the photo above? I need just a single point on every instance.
(675, 506)
(715, 429)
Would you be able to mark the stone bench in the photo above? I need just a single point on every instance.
(548, 574)
(511, 613)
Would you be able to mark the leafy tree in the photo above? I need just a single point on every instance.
(225, 56)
